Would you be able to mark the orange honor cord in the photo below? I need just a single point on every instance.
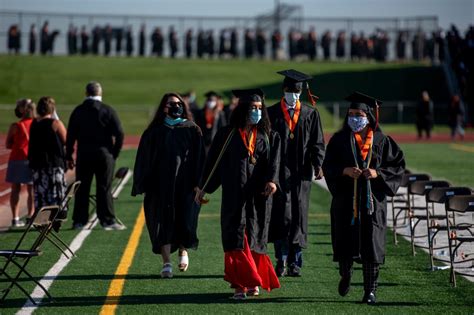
(249, 143)
(291, 122)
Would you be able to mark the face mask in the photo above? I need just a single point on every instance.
(255, 116)
(192, 98)
(357, 123)
(211, 104)
(175, 111)
(291, 98)
(171, 122)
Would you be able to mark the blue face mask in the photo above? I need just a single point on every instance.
(255, 116)
(357, 123)
(171, 122)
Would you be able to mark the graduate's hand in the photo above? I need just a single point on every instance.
(369, 173)
(318, 173)
(270, 189)
(352, 172)
(199, 198)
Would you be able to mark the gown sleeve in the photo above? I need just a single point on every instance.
(199, 156)
(274, 162)
(143, 165)
(332, 166)
(391, 168)
(214, 181)
(316, 145)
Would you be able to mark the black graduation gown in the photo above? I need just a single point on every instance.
(298, 158)
(168, 167)
(244, 208)
(209, 133)
(365, 241)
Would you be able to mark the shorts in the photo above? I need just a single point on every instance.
(18, 172)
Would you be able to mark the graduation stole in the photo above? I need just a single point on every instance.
(366, 154)
(210, 117)
(249, 143)
(291, 122)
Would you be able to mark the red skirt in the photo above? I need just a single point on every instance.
(248, 269)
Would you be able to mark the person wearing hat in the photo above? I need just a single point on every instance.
(167, 170)
(210, 118)
(362, 167)
(244, 159)
(302, 154)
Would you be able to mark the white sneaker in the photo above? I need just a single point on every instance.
(114, 227)
(17, 223)
(167, 271)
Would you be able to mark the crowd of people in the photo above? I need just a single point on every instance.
(108, 40)
(263, 158)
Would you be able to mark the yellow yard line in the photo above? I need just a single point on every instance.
(116, 286)
(461, 147)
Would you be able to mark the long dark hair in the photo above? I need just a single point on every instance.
(240, 115)
(160, 114)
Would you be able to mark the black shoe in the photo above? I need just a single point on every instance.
(344, 286)
(294, 270)
(280, 268)
(369, 298)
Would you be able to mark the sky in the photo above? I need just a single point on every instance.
(460, 12)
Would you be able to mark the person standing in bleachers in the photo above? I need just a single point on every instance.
(18, 171)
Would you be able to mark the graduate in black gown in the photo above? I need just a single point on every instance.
(210, 118)
(302, 153)
(244, 160)
(362, 167)
(167, 170)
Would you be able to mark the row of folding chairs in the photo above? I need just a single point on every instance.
(454, 219)
(46, 222)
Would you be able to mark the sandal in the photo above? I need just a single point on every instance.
(167, 271)
(183, 261)
(253, 291)
(239, 294)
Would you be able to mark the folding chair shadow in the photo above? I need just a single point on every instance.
(406, 207)
(440, 195)
(121, 178)
(427, 215)
(53, 235)
(41, 220)
(460, 234)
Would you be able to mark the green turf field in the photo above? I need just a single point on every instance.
(134, 86)
(406, 286)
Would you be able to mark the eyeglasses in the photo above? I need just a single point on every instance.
(175, 104)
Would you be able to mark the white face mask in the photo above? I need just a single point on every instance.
(211, 104)
(291, 98)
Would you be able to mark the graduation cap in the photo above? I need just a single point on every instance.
(256, 95)
(295, 80)
(366, 103)
(211, 94)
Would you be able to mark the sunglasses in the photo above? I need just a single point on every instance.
(175, 104)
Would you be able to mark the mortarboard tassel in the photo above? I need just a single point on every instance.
(312, 98)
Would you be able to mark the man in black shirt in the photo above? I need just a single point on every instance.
(99, 136)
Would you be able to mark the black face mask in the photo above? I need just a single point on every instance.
(175, 111)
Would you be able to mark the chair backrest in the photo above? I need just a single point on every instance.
(70, 192)
(442, 194)
(461, 203)
(423, 187)
(123, 174)
(408, 178)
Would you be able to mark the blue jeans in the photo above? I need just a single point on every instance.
(291, 253)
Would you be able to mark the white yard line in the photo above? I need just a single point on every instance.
(5, 192)
(38, 294)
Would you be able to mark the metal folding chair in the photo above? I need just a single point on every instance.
(122, 176)
(41, 220)
(441, 195)
(428, 215)
(460, 234)
(407, 206)
(53, 235)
